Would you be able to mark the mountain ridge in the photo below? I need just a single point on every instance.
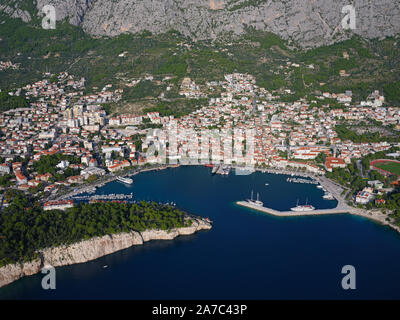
(305, 23)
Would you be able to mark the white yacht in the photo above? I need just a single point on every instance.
(255, 202)
(125, 180)
(304, 207)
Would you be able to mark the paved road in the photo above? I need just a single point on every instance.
(360, 168)
(336, 190)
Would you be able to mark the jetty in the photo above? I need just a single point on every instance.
(293, 213)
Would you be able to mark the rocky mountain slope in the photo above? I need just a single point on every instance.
(308, 23)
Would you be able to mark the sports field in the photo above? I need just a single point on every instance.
(392, 167)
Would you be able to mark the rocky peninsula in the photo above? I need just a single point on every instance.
(92, 249)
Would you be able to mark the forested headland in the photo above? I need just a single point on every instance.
(25, 227)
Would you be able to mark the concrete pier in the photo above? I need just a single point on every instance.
(293, 213)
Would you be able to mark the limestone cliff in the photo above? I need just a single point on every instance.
(309, 23)
(92, 249)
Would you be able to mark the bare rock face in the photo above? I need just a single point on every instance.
(92, 249)
(73, 10)
(309, 23)
(15, 12)
(12, 272)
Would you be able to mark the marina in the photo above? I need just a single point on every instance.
(332, 192)
(300, 180)
(111, 196)
(91, 190)
(221, 169)
(328, 196)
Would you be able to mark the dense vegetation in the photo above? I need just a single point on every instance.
(5, 180)
(234, 5)
(25, 227)
(263, 54)
(350, 177)
(48, 163)
(354, 180)
(344, 133)
(177, 108)
(392, 202)
(8, 102)
(142, 90)
(392, 92)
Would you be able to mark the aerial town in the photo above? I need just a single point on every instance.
(61, 120)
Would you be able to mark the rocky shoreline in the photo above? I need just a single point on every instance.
(375, 215)
(92, 249)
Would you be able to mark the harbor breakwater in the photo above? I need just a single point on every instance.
(375, 215)
(92, 249)
(292, 213)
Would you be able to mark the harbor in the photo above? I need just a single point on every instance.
(105, 180)
(300, 180)
(259, 237)
(221, 169)
(271, 211)
(332, 192)
(111, 196)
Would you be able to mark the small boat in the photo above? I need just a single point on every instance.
(226, 170)
(320, 187)
(105, 266)
(267, 184)
(328, 196)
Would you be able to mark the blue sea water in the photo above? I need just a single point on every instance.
(246, 255)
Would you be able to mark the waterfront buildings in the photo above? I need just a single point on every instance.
(58, 205)
(246, 124)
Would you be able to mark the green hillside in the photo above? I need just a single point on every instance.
(370, 64)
